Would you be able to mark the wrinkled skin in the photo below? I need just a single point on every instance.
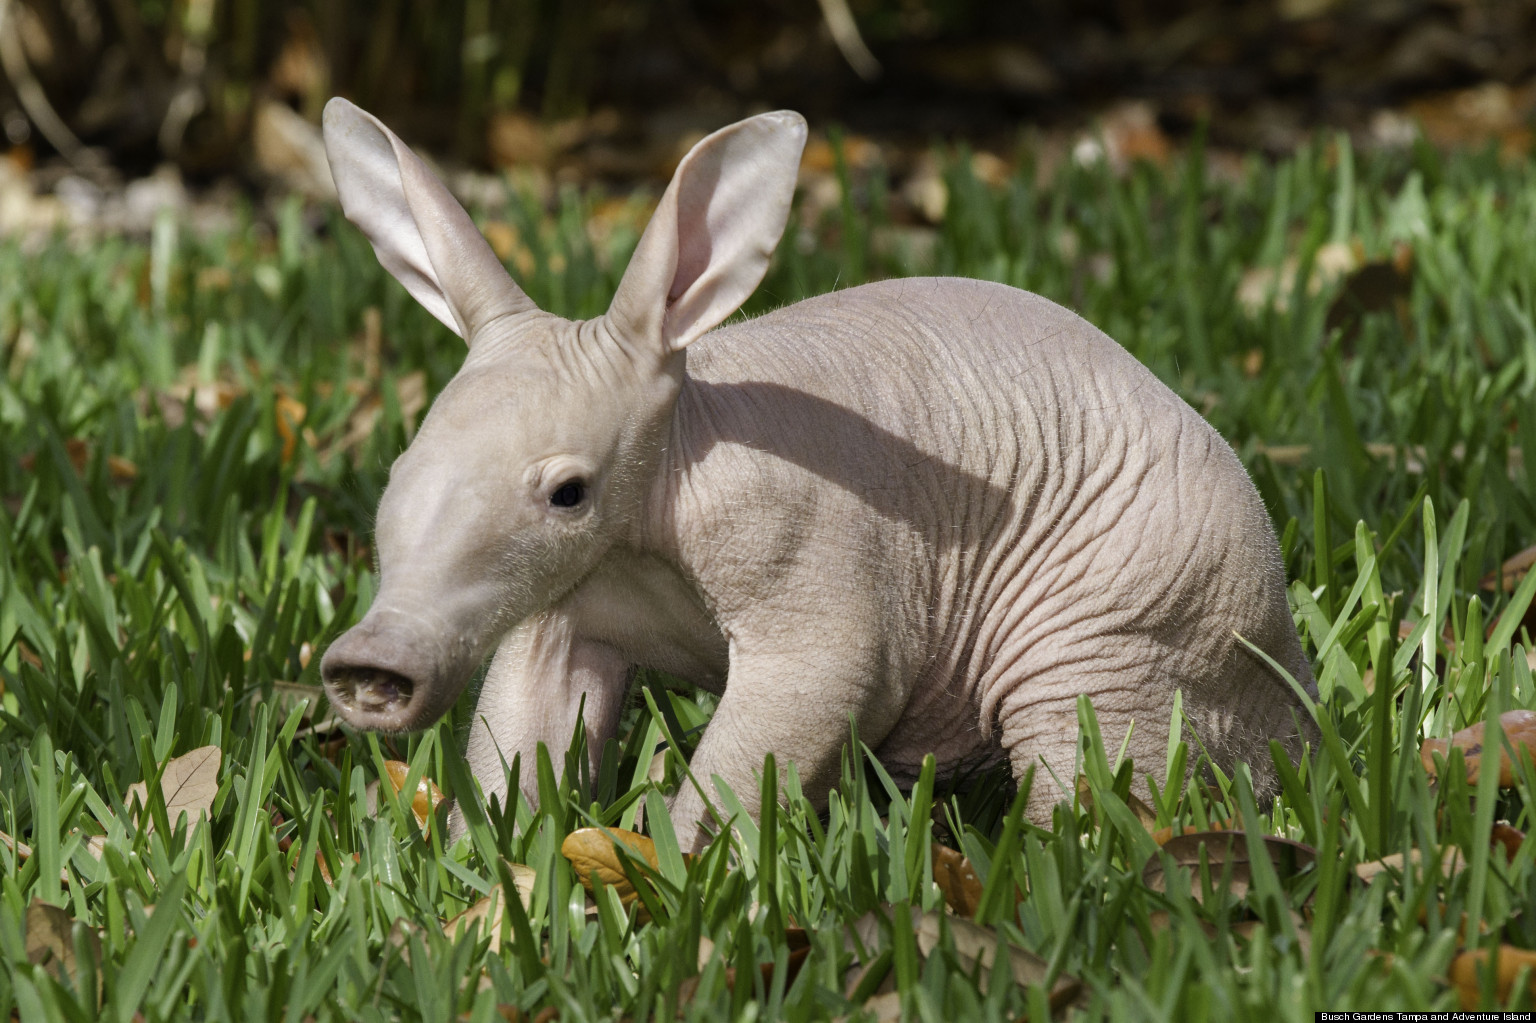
(944, 507)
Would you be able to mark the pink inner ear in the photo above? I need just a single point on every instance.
(709, 243)
(695, 242)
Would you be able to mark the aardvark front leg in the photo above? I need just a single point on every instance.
(794, 704)
(533, 693)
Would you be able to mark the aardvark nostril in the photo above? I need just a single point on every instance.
(371, 690)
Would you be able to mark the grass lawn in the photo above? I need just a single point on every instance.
(194, 434)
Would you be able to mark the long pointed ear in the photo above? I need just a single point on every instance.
(708, 244)
(420, 233)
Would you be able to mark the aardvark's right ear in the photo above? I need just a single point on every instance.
(421, 234)
(709, 242)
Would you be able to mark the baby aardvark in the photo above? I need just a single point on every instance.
(942, 506)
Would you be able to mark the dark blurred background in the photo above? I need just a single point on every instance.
(606, 88)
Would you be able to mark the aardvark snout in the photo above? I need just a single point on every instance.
(388, 675)
(361, 689)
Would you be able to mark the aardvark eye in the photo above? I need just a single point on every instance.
(569, 494)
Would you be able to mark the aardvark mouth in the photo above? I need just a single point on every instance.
(369, 690)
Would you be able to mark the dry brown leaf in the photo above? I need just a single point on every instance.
(188, 784)
(324, 868)
(79, 453)
(1381, 286)
(799, 948)
(21, 849)
(1144, 813)
(398, 939)
(121, 470)
(488, 911)
(512, 1014)
(288, 695)
(1221, 850)
(957, 879)
(819, 157)
(1508, 838)
(885, 1007)
(1474, 116)
(1253, 363)
(859, 976)
(593, 856)
(1460, 924)
(1162, 835)
(1508, 963)
(1451, 863)
(1162, 920)
(792, 966)
(207, 398)
(524, 878)
(289, 414)
(424, 801)
(24, 851)
(1412, 457)
(608, 216)
(410, 392)
(975, 944)
(509, 247)
(300, 70)
(1245, 930)
(517, 139)
(1509, 574)
(1519, 728)
(1273, 286)
(864, 933)
(51, 942)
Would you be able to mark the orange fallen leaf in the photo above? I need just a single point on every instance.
(512, 1014)
(595, 859)
(1162, 836)
(1519, 728)
(289, 414)
(1510, 838)
(121, 470)
(79, 453)
(1508, 962)
(424, 800)
(320, 864)
(1460, 924)
(957, 879)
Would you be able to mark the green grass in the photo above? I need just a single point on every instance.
(144, 617)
